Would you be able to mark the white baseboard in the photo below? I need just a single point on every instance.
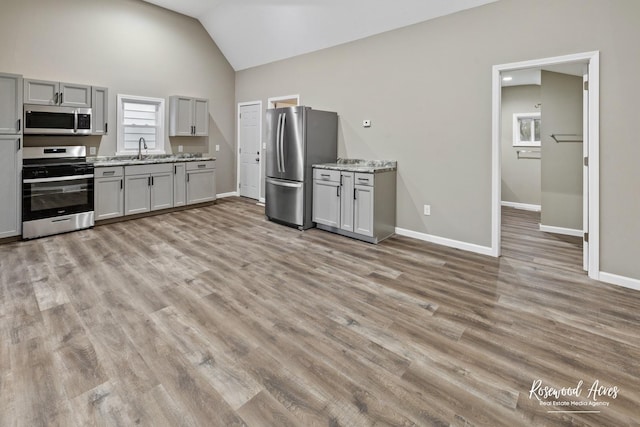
(470, 247)
(262, 200)
(523, 206)
(625, 282)
(231, 194)
(561, 230)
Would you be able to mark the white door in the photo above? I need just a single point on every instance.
(249, 147)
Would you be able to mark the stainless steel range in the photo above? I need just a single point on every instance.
(57, 191)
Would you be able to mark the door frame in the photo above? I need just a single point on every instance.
(238, 163)
(271, 102)
(592, 138)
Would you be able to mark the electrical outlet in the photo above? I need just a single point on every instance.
(217, 148)
(92, 151)
(264, 145)
(180, 148)
(427, 209)
(366, 123)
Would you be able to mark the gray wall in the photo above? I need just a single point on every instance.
(520, 177)
(562, 96)
(131, 47)
(427, 90)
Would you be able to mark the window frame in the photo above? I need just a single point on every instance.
(517, 142)
(160, 124)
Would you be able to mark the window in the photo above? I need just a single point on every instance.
(526, 129)
(140, 117)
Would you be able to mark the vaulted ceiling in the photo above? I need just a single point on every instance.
(255, 32)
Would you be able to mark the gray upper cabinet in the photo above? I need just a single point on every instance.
(10, 104)
(100, 110)
(188, 116)
(46, 92)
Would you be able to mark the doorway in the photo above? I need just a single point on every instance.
(249, 152)
(590, 147)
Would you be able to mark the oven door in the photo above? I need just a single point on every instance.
(56, 196)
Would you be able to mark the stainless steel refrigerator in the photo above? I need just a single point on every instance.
(297, 138)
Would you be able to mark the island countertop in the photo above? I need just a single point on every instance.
(359, 165)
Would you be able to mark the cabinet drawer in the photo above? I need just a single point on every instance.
(364, 179)
(207, 164)
(148, 169)
(326, 175)
(108, 172)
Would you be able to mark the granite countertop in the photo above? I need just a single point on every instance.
(359, 165)
(148, 159)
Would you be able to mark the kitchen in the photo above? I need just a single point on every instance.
(137, 49)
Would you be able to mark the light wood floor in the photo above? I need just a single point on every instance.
(216, 317)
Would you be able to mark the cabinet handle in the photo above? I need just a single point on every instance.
(188, 177)
(55, 98)
(61, 98)
(326, 175)
(338, 192)
(355, 190)
(202, 166)
(149, 181)
(175, 170)
(19, 144)
(19, 125)
(106, 127)
(108, 173)
(121, 184)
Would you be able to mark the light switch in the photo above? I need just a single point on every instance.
(92, 151)
(180, 148)
(217, 148)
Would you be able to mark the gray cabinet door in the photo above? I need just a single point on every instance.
(346, 201)
(201, 117)
(41, 92)
(179, 184)
(180, 116)
(99, 110)
(161, 191)
(201, 186)
(109, 197)
(10, 104)
(137, 194)
(326, 203)
(10, 182)
(75, 95)
(363, 210)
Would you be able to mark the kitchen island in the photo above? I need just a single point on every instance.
(356, 198)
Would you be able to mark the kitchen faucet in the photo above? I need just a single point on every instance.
(141, 141)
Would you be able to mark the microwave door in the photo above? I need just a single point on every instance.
(39, 122)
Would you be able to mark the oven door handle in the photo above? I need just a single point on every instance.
(57, 179)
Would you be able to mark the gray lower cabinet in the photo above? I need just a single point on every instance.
(10, 183)
(109, 192)
(358, 205)
(148, 188)
(201, 182)
(179, 184)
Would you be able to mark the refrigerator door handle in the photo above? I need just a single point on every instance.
(284, 121)
(278, 142)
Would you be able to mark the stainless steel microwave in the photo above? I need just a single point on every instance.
(55, 120)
